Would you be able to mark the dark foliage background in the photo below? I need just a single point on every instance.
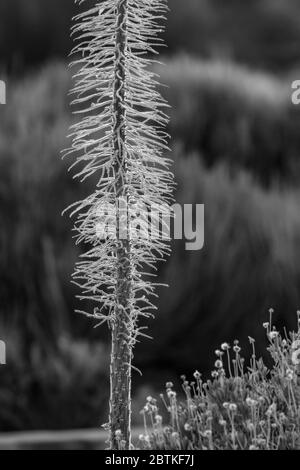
(235, 140)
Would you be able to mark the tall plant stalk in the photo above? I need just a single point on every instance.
(121, 354)
(120, 139)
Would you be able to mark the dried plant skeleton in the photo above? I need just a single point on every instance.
(120, 139)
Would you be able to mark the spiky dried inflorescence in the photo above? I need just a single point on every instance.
(120, 139)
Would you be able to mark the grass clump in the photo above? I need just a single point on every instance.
(240, 408)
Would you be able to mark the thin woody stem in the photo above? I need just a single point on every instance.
(121, 356)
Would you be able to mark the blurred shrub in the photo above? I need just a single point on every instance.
(34, 187)
(248, 264)
(232, 114)
(26, 36)
(61, 390)
(263, 33)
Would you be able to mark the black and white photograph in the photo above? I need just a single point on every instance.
(150, 228)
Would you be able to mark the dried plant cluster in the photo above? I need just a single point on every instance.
(120, 140)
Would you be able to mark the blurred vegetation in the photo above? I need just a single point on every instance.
(249, 263)
(263, 33)
(234, 115)
(235, 147)
(243, 406)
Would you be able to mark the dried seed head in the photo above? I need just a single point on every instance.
(218, 364)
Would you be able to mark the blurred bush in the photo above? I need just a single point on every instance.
(26, 31)
(34, 187)
(230, 130)
(261, 33)
(249, 263)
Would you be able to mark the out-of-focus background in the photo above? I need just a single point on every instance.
(236, 148)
